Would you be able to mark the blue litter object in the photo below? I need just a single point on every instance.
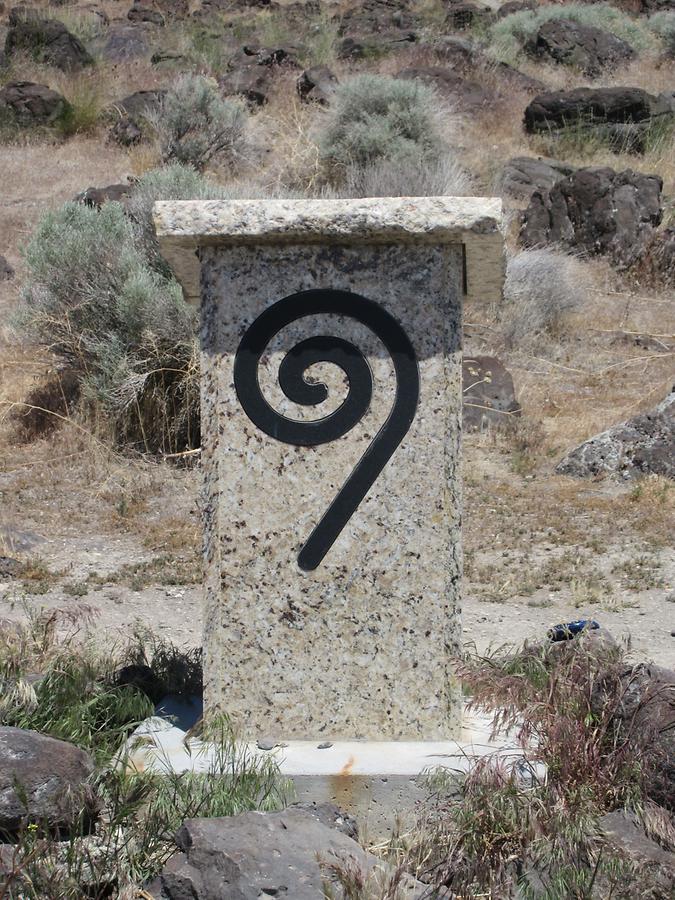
(568, 630)
(182, 710)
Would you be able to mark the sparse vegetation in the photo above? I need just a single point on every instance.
(122, 326)
(533, 827)
(81, 697)
(197, 127)
(376, 118)
(542, 289)
(508, 36)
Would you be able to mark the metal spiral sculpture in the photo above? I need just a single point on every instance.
(292, 381)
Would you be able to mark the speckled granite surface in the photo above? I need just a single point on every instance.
(359, 647)
(474, 222)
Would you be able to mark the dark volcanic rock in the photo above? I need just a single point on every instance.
(140, 104)
(46, 40)
(598, 210)
(6, 270)
(514, 6)
(584, 46)
(648, 705)
(255, 855)
(488, 394)
(125, 43)
(96, 197)
(43, 780)
(361, 46)
(140, 13)
(317, 85)
(523, 175)
(659, 258)
(461, 16)
(557, 109)
(32, 104)
(627, 838)
(642, 445)
(254, 83)
(468, 95)
(126, 133)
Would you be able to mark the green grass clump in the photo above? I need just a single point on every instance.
(507, 37)
(80, 699)
(375, 117)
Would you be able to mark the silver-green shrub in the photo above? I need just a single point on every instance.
(542, 287)
(508, 36)
(375, 117)
(196, 126)
(663, 24)
(442, 177)
(171, 182)
(99, 296)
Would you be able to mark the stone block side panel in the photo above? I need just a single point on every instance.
(359, 647)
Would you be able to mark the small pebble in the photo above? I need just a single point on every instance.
(325, 745)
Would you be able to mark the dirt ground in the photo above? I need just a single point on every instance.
(121, 535)
(121, 538)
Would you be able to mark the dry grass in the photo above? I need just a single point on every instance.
(71, 484)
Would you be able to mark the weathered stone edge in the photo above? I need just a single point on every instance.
(476, 222)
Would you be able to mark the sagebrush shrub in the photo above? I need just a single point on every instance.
(663, 24)
(508, 36)
(171, 182)
(196, 126)
(542, 287)
(93, 298)
(375, 117)
(392, 178)
(100, 296)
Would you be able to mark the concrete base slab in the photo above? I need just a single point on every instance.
(379, 782)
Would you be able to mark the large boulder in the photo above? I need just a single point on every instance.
(46, 40)
(317, 85)
(598, 210)
(45, 781)
(140, 104)
(461, 16)
(594, 106)
(124, 43)
(523, 175)
(32, 104)
(643, 445)
(627, 838)
(648, 708)
(254, 70)
(583, 46)
(255, 855)
(488, 394)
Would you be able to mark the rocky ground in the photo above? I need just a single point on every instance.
(82, 526)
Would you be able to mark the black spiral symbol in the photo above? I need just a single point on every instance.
(321, 431)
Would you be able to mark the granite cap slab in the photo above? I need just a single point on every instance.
(475, 222)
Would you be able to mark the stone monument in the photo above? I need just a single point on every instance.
(331, 407)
